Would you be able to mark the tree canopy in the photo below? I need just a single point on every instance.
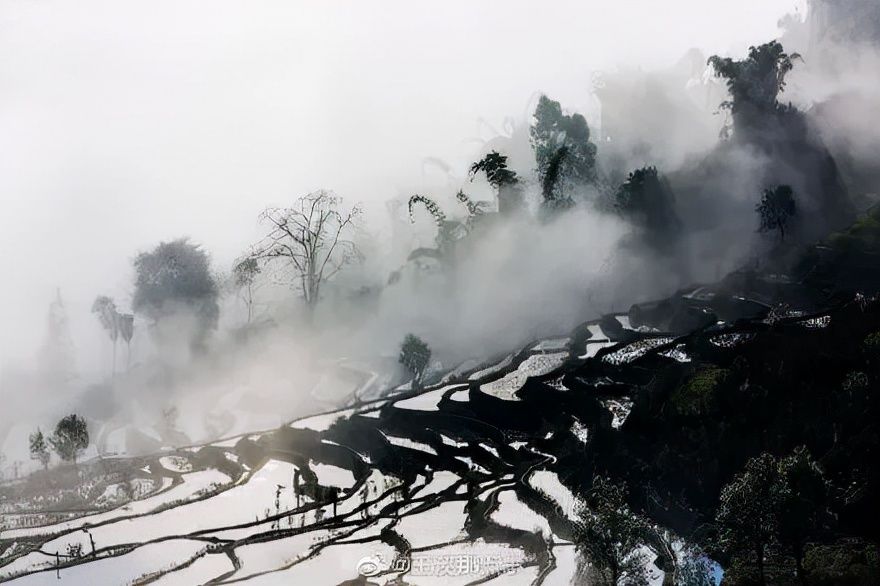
(494, 165)
(70, 438)
(113, 322)
(504, 180)
(245, 273)
(607, 536)
(776, 209)
(38, 448)
(415, 355)
(551, 130)
(105, 309)
(773, 502)
(646, 199)
(755, 82)
(176, 276)
(552, 187)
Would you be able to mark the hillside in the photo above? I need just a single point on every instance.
(490, 463)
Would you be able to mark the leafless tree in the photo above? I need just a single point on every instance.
(312, 238)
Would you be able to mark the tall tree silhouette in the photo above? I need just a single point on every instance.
(551, 130)
(504, 180)
(776, 209)
(313, 239)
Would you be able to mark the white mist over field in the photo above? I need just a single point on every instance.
(123, 125)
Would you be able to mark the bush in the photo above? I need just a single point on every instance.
(863, 235)
(842, 564)
(699, 395)
(872, 343)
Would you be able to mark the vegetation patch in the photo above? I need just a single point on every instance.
(863, 235)
(698, 396)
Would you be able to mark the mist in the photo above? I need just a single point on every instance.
(121, 127)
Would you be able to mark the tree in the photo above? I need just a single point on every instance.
(693, 569)
(115, 324)
(646, 199)
(38, 448)
(746, 513)
(71, 437)
(551, 130)
(415, 355)
(754, 83)
(57, 354)
(774, 502)
(105, 308)
(175, 277)
(790, 150)
(504, 180)
(608, 534)
(474, 208)
(801, 503)
(244, 277)
(433, 208)
(776, 209)
(126, 330)
(444, 227)
(312, 238)
(552, 188)
(448, 231)
(494, 165)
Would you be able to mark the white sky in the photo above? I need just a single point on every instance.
(123, 123)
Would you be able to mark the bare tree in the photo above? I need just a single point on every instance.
(312, 238)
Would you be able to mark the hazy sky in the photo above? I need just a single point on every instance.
(123, 123)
